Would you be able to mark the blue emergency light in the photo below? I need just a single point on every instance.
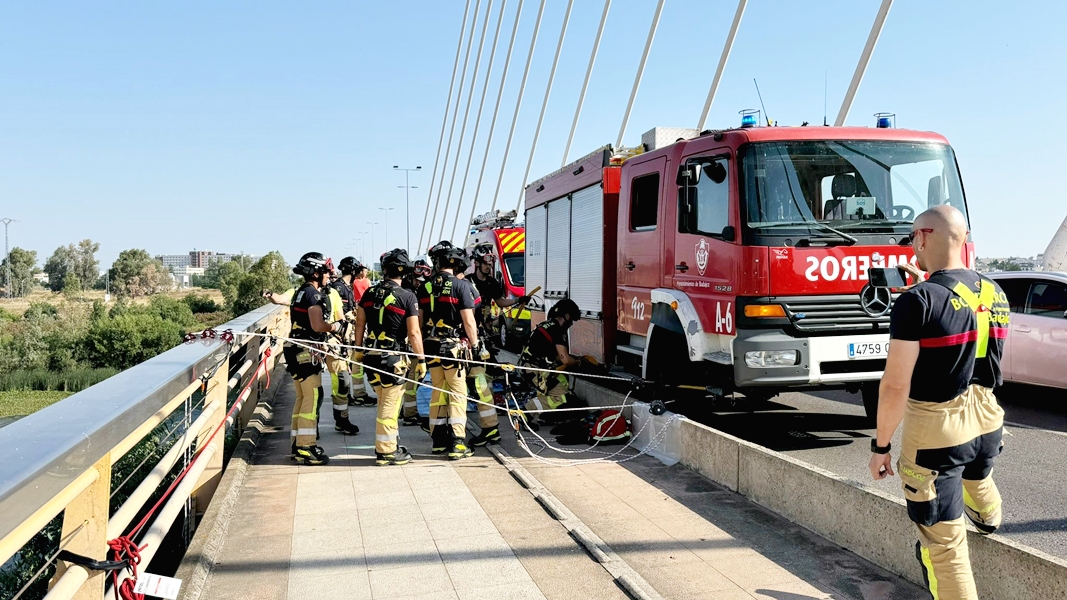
(749, 117)
(885, 120)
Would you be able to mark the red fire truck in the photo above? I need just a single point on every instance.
(736, 259)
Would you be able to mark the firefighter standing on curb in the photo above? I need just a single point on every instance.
(413, 281)
(340, 302)
(944, 361)
(308, 314)
(446, 308)
(390, 315)
(490, 290)
(547, 349)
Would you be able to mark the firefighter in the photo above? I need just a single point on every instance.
(446, 308)
(948, 339)
(413, 281)
(390, 315)
(491, 290)
(308, 313)
(351, 269)
(340, 306)
(547, 349)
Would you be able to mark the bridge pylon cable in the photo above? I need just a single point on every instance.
(478, 118)
(726, 49)
(865, 57)
(544, 104)
(518, 102)
(466, 116)
(640, 72)
(585, 84)
(444, 121)
(452, 129)
(496, 112)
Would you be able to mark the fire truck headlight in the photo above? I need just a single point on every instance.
(771, 358)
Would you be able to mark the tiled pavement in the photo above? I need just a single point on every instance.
(435, 529)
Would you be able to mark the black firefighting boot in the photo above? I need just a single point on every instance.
(400, 457)
(459, 450)
(311, 455)
(345, 427)
(488, 435)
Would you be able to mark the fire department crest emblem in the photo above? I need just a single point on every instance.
(702, 255)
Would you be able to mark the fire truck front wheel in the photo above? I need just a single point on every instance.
(869, 393)
(666, 357)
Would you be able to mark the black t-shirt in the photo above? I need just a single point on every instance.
(544, 338)
(442, 298)
(348, 300)
(947, 331)
(303, 299)
(388, 307)
(489, 289)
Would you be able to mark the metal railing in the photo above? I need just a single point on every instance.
(59, 459)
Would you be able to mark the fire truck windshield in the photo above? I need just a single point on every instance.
(515, 263)
(861, 187)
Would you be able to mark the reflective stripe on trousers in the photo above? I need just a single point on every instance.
(448, 409)
(487, 415)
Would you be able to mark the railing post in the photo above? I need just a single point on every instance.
(88, 511)
(216, 392)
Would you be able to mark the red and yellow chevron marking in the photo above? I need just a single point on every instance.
(514, 241)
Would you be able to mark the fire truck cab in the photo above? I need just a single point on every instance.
(737, 258)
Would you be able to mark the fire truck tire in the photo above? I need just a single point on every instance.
(869, 393)
(668, 356)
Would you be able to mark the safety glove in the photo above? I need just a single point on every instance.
(357, 356)
(420, 370)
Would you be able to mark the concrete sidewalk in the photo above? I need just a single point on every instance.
(467, 529)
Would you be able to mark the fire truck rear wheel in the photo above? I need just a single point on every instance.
(869, 393)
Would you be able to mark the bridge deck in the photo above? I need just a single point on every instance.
(438, 529)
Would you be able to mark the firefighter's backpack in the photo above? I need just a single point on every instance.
(609, 427)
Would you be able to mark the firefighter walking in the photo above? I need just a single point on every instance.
(446, 308)
(308, 314)
(548, 349)
(491, 290)
(390, 315)
(948, 338)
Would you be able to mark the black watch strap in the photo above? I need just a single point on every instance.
(880, 449)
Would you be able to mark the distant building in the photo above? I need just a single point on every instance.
(199, 259)
(41, 278)
(183, 276)
(174, 261)
(986, 265)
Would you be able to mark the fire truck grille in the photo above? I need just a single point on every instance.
(831, 313)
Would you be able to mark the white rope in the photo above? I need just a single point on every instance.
(544, 105)
(477, 120)
(452, 130)
(518, 103)
(466, 116)
(726, 49)
(640, 72)
(496, 111)
(444, 118)
(585, 84)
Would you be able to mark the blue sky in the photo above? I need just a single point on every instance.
(252, 126)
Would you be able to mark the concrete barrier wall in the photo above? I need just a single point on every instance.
(868, 522)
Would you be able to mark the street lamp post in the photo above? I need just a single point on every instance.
(407, 199)
(7, 255)
(386, 226)
(372, 226)
(363, 245)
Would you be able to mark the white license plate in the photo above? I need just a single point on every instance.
(868, 350)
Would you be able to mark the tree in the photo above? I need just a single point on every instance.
(23, 263)
(57, 266)
(135, 273)
(269, 273)
(77, 260)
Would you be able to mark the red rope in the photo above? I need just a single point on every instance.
(123, 545)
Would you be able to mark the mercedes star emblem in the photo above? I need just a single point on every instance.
(875, 301)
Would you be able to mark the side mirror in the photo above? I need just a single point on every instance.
(729, 234)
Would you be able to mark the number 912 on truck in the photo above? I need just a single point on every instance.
(738, 260)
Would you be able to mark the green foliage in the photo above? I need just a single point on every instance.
(228, 277)
(130, 337)
(17, 571)
(73, 261)
(1004, 265)
(23, 263)
(135, 273)
(17, 403)
(201, 303)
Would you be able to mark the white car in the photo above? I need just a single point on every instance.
(1036, 349)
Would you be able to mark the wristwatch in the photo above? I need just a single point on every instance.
(880, 449)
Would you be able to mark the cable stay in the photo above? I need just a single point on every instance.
(727, 48)
(544, 103)
(640, 71)
(585, 84)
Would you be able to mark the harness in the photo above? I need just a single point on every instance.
(981, 304)
(383, 299)
(439, 290)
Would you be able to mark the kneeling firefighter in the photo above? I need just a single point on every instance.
(308, 313)
(446, 308)
(390, 315)
(548, 349)
(341, 306)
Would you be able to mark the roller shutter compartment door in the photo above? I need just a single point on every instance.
(587, 248)
(558, 251)
(535, 253)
